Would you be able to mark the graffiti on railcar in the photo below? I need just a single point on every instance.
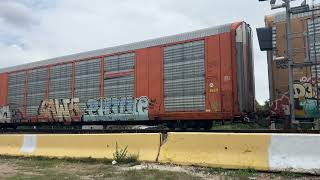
(281, 64)
(5, 114)
(305, 98)
(60, 109)
(10, 115)
(16, 115)
(97, 109)
(113, 109)
(281, 106)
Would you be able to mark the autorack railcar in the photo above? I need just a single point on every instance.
(198, 76)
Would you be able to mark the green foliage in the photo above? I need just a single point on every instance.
(244, 173)
(264, 107)
(216, 171)
(263, 110)
(291, 174)
(241, 173)
(122, 156)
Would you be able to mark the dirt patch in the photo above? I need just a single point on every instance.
(193, 171)
(7, 170)
(217, 174)
(70, 168)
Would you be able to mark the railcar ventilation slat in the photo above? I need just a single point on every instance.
(184, 77)
(87, 80)
(119, 76)
(16, 88)
(60, 81)
(36, 87)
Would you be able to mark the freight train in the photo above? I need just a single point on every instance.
(306, 69)
(193, 78)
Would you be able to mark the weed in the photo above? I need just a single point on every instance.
(122, 156)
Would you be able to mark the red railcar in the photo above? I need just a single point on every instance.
(201, 75)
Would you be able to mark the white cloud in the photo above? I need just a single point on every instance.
(46, 28)
(17, 14)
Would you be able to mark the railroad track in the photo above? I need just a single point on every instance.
(163, 131)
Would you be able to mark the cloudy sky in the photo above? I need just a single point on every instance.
(32, 30)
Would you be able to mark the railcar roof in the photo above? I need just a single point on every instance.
(124, 48)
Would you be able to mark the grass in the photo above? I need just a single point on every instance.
(38, 168)
(238, 174)
(50, 175)
(291, 174)
(243, 174)
(156, 174)
(49, 161)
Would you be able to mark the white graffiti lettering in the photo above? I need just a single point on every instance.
(305, 90)
(5, 114)
(60, 109)
(110, 109)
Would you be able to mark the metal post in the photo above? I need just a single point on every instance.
(290, 60)
(316, 120)
(317, 124)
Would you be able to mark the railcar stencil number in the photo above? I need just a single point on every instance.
(227, 78)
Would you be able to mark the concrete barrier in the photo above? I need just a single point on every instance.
(295, 152)
(146, 146)
(275, 152)
(271, 152)
(217, 150)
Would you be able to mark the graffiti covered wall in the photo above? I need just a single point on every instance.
(305, 97)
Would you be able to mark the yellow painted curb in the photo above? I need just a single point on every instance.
(10, 144)
(217, 150)
(146, 146)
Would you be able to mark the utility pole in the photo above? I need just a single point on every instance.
(290, 61)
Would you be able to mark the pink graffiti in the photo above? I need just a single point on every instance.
(281, 106)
